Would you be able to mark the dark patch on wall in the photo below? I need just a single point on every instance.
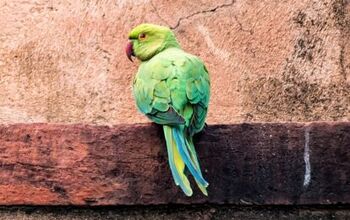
(297, 93)
(341, 11)
(295, 98)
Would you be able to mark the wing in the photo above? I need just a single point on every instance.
(152, 94)
(198, 94)
(173, 88)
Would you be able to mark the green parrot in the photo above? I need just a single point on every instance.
(171, 88)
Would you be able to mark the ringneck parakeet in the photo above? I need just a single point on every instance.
(172, 88)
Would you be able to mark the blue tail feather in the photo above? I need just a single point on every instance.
(180, 143)
(174, 171)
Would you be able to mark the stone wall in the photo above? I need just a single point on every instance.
(244, 164)
(63, 61)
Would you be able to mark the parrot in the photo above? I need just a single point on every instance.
(172, 89)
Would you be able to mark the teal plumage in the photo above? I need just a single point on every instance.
(172, 88)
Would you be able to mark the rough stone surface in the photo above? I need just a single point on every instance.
(245, 164)
(175, 212)
(63, 61)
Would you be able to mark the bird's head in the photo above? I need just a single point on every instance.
(146, 40)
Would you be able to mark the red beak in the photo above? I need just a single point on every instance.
(129, 51)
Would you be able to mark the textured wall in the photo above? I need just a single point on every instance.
(175, 213)
(63, 61)
(245, 164)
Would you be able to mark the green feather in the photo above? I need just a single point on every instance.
(172, 88)
(170, 117)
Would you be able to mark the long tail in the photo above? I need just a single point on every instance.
(181, 152)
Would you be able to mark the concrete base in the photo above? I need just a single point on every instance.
(178, 212)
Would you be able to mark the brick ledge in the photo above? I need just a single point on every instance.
(262, 163)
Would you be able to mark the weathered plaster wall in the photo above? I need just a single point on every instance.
(63, 61)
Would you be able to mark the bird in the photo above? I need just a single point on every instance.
(171, 88)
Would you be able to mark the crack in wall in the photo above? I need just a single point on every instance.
(158, 15)
(178, 23)
(241, 28)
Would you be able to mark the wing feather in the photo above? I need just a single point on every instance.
(173, 87)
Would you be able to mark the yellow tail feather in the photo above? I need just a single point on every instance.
(176, 162)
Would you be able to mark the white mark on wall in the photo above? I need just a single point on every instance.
(307, 176)
(123, 3)
(222, 54)
(10, 115)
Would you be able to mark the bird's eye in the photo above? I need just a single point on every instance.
(142, 36)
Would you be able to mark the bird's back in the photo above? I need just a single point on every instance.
(174, 78)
